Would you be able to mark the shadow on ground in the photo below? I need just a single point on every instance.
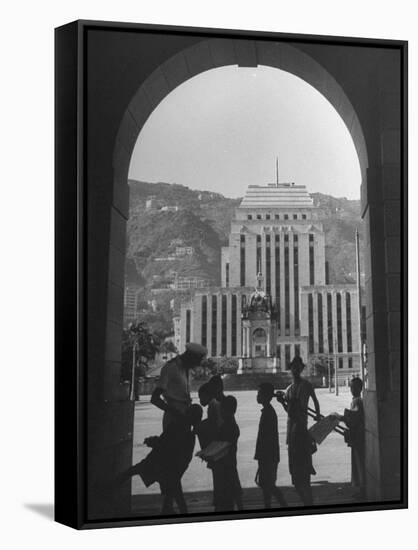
(325, 494)
(44, 510)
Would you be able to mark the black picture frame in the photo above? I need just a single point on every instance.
(91, 196)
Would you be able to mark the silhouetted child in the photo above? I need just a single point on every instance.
(227, 486)
(217, 386)
(170, 457)
(208, 429)
(354, 418)
(267, 451)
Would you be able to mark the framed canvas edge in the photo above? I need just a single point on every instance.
(73, 512)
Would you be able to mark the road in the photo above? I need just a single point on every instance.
(331, 461)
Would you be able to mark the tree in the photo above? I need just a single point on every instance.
(168, 347)
(138, 346)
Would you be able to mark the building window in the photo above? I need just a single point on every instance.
(227, 274)
(277, 255)
(287, 356)
(278, 350)
(329, 323)
(286, 216)
(204, 321)
(242, 260)
(340, 363)
(350, 362)
(259, 217)
(320, 326)
(297, 350)
(295, 216)
(348, 322)
(188, 324)
(234, 325)
(276, 216)
(268, 216)
(311, 260)
(339, 324)
(268, 264)
(258, 258)
(310, 324)
(296, 281)
(214, 325)
(303, 216)
(223, 325)
(286, 284)
(249, 217)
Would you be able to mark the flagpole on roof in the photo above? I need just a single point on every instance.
(277, 171)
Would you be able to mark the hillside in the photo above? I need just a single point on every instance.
(176, 232)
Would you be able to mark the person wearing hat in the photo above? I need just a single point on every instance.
(172, 393)
(300, 446)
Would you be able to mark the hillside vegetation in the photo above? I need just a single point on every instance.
(202, 221)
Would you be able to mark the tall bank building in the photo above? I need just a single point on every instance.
(275, 301)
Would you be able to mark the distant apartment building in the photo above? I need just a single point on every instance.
(184, 251)
(130, 302)
(274, 302)
(188, 283)
(153, 203)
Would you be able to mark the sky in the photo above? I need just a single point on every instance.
(222, 130)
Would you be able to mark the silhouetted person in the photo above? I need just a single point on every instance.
(227, 486)
(172, 393)
(170, 457)
(208, 428)
(267, 451)
(217, 385)
(300, 445)
(354, 418)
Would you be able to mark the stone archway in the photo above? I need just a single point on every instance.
(365, 93)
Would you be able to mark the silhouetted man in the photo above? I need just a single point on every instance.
(300, 445)
(172, 393)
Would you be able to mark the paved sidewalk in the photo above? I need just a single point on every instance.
(201, 501)
(332, 461)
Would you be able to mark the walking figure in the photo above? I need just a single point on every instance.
(267, 450)
(170, 457)
(299, 443)
(355, 437)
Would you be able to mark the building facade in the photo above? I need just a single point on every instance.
(275, 301)
(130, 302)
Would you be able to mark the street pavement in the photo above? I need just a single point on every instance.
(332, 460)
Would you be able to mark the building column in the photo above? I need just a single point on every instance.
(325, 321)
(282, 295)
(291, 286)
(268, 339)
(219, 323)
(209, 325)
(282, 357)
(344, 325)
(228, 324)
(239, 325)
(273, 266)
(315, 321)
